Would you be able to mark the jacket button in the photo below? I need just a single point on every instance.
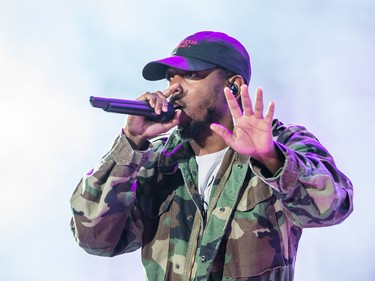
(203, 258)
(189, 218)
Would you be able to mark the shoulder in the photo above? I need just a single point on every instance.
(285, 132)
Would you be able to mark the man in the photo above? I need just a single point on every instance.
(222, 191)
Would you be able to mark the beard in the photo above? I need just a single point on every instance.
(199, 130)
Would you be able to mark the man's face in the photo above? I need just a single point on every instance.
(200, 96)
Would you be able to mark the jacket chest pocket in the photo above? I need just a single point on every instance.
(253, 240)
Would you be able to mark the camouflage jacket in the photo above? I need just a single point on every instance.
(253, 224)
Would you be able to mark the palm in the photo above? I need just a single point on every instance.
(250, 135)
(252, 132)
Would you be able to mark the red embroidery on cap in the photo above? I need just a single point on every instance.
(187, 43)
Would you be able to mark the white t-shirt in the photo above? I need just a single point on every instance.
(208, 166)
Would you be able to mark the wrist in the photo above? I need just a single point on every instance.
(273, 160)
(137, 142)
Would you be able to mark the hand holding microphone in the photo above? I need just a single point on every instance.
(141, 107)
(152, 106)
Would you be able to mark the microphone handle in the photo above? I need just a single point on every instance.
(132, 107)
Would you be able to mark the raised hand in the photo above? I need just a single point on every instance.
(252, 131)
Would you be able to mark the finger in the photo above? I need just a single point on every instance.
(149, 97)
(270, 112)
(160, 102)
(258, 109)
(172, 123)
(246, 101)
(222, 132)
(153, 100)
(171, 89)
(167, 94)
(232, 103)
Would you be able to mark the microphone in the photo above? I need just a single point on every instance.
(132, 107)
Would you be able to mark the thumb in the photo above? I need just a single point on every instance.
(222, 132)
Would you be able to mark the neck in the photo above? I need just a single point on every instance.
(212, 144)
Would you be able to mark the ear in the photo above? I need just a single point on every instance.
(238, 81)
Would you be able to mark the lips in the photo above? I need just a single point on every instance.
(174, 101)
(176, 106)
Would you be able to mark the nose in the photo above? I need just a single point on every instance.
(176, 79)
(177, 94)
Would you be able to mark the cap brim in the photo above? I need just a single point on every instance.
(156, 70)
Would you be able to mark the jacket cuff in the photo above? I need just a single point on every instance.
(123, 153)
(286, 178)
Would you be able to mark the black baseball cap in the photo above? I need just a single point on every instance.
(201, 51)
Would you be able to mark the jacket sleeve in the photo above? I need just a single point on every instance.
(106, 220)
(312, 190)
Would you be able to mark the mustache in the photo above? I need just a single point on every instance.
(177, 96)
(173, 100)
